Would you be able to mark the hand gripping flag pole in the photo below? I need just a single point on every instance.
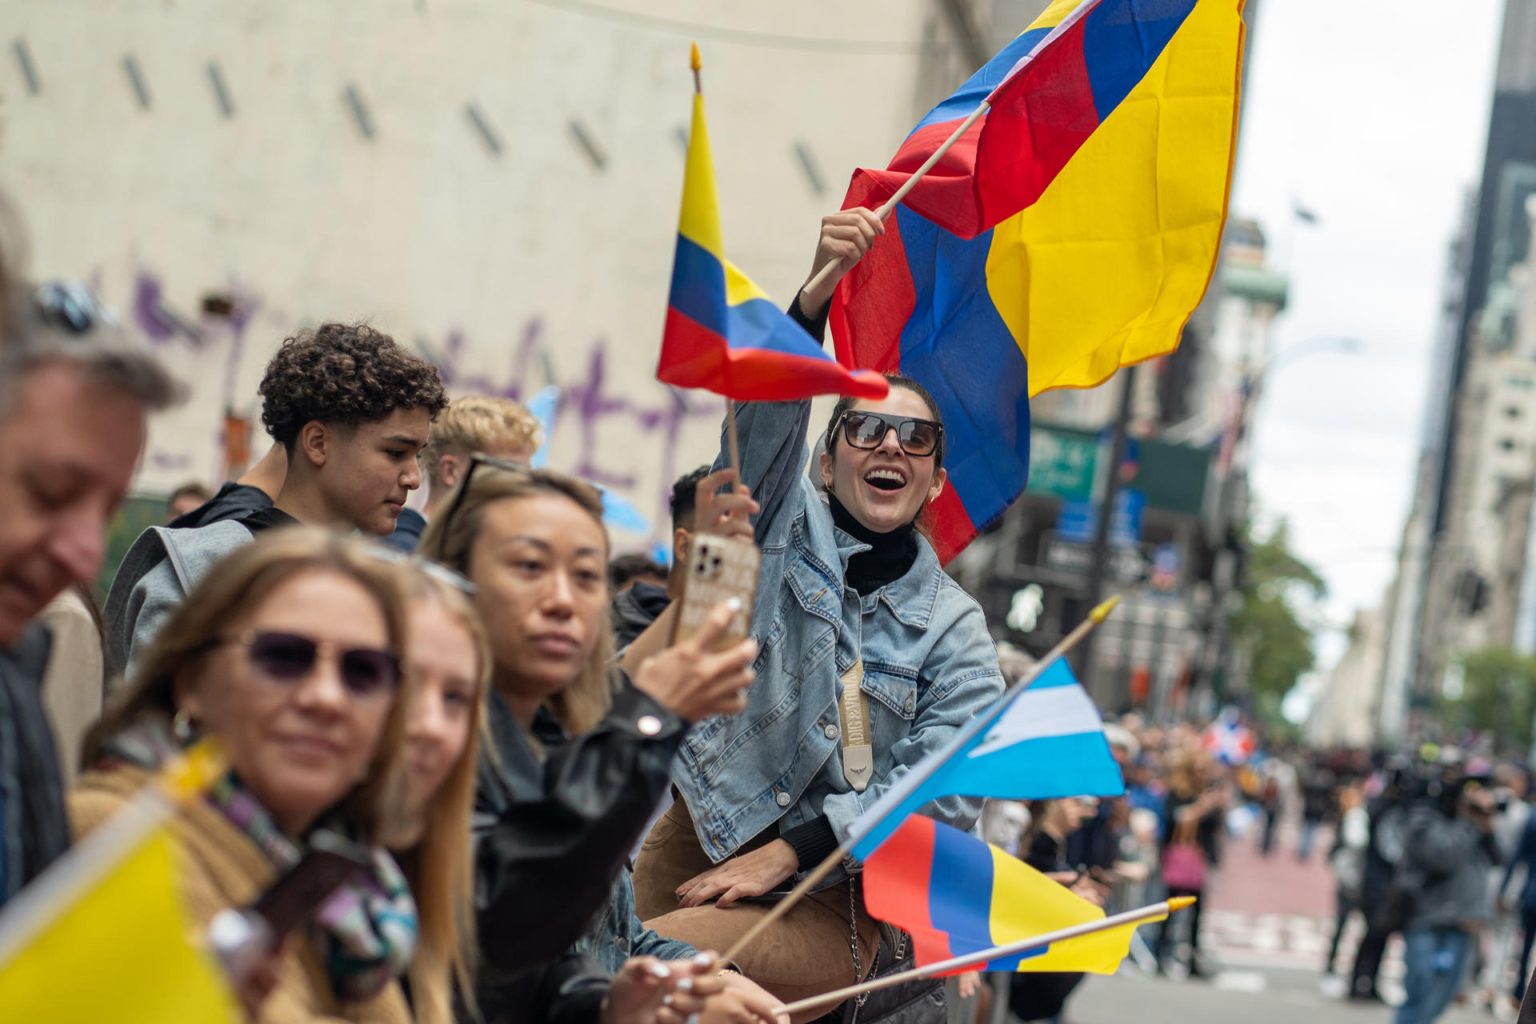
(876, 815)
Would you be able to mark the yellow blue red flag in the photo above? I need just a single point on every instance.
(723, 333)
(955, 895)
(1072, 230)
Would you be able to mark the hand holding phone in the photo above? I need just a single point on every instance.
(694, 678)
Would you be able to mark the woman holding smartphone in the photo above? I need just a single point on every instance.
(871, 657)
(289, 655)
(576, 745)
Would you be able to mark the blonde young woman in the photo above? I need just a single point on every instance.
(288, 653)
(581, 752)
(449, 665)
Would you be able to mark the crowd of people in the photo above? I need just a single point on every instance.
(570, 811)
(570, 807)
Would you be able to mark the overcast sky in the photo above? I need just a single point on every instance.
(1373, 116)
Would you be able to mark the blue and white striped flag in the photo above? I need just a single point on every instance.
(1043, 741)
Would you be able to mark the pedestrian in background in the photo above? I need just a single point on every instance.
(1197, 804)
(1448, 852)
(1347, 858)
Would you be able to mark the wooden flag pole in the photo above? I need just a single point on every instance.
(827, 272)
(835, 858)
(1151, 913)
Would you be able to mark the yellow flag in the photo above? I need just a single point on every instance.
(122, 951)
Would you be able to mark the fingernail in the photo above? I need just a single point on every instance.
(703, 959)
(734, 604)
(666, 1000)
(685, 985)
(660, 971)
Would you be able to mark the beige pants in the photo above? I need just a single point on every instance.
(805, 953)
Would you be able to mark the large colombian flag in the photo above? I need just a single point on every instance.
(957, 895)
(1071, 231)
(723, 333)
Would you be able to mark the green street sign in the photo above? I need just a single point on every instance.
(1062, 463)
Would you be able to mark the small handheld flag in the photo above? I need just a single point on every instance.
(1035, 743)
(103, 933)
(957, 895)
(972, 961)
(723, 333)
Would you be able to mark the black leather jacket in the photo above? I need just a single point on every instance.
(550, 838)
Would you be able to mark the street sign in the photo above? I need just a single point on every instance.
(1062, 464)
(1075, 521)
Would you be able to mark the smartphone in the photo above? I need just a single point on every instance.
(242, 937)
(719, 568)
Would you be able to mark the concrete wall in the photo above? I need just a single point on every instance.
(511, 270)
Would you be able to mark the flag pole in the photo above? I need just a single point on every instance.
(826, 273)
(835, 858)
(733, 443)
(1155, 912)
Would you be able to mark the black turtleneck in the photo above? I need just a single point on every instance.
(889, 557)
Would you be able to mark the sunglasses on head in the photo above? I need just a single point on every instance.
(70, 306)
(477, 460)
(366, 672)
(867, 430)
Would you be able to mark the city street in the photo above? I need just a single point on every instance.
(1267, 927)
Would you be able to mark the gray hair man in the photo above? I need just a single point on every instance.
(75, 395)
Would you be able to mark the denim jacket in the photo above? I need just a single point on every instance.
(929, 664)
(618, 935)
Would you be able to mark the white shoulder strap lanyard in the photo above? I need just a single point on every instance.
(853, 710)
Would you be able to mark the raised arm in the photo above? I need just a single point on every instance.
(773, 434)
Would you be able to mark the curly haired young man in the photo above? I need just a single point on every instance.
(352, 410)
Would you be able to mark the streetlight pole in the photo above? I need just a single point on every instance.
(1103, 520)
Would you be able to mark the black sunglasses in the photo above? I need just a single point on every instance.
(867, 430)
(366, 672)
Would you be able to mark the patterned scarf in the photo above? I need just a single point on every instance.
(365, 932)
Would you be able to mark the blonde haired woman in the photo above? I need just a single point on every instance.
(288, 653)
(449, 665)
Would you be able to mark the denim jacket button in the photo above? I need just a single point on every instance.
(830, 731)
(911, 701)
(781, 798)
